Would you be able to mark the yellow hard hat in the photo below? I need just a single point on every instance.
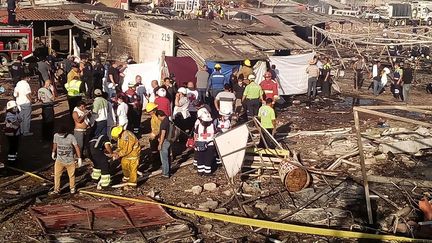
(150, 106)
(247, 62)
(218, 66)
(116, 131)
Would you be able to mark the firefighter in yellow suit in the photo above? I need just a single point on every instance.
(128, 149)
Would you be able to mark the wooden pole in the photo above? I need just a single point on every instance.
(363, 166)
(393, 117)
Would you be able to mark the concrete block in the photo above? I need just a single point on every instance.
(411, 147)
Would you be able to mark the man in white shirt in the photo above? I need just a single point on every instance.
(224, 101)
(22, 93)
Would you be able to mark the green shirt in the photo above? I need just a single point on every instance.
(253, 91)
(267, 115)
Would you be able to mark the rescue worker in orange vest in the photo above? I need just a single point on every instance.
(128, 149)
(270, 87)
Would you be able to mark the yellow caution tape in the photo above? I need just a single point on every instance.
(30, 174)
(268, 224)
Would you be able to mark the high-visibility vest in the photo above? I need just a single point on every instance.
(73, 87)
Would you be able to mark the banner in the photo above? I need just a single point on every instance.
(291, 71)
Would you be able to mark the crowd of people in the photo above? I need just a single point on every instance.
(190, 115)
(398, 77)
(102, 113)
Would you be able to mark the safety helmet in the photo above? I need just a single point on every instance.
(11, 104)
(161, 92)
(251, 77)
(218, 66)
(247, 62)
(132, 84)
(182, 90)
(116, 131)
(205, 117)
(150, 106)
(267, 75)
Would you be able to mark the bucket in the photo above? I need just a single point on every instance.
(294, 178)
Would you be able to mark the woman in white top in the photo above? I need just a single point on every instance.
(122, 110)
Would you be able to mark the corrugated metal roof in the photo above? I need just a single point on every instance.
(230, 40)
(46, 14)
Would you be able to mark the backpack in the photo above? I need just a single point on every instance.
(173, 133)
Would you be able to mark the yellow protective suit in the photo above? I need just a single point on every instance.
(129, 150)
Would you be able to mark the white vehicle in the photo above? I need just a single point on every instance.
(422, 11)
(349, 13)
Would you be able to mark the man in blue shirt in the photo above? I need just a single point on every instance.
(216, 81)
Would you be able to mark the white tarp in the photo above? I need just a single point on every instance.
(231, 146)
(76, 50)
(292, 73)
(148, 71)
(260, 68)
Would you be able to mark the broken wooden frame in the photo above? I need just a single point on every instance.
(356, 41)
(374, 110)
(265, 163)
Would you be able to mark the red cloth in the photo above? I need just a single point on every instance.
(184, 69)
(164, 105)
(270, 88)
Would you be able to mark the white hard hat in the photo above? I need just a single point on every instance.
(11, 104)
(386, 70)
(182, 90)
(161, 92)
(206, 117)
(251, 77)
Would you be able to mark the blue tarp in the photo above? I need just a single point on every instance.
(226, 68)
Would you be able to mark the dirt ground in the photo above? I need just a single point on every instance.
(17, 225)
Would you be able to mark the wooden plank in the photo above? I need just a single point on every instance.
(265, 159)
(420, 108)
(10, 182)
(400, 181)
(389, 116)
(363, 165)
(263, 151)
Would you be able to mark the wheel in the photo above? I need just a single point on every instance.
(403, 22)
(396, 23)
(4, 58)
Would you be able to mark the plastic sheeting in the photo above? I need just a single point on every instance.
(226, 68)
(291, 72)
(260, 68)
(184, 69)
(148, 71)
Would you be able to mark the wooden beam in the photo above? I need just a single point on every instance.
(400, 181)
(417, 108)
(363, 166)
(389, 116)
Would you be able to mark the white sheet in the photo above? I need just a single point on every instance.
(148, 71)
(291, 72)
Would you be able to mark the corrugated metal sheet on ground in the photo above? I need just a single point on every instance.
(102, 215)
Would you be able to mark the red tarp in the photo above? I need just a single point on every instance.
(102, 215)
(184, 69)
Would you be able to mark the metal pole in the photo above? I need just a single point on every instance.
(45, 28)
(70, 41)
(363, 166)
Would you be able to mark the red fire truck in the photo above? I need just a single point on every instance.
(15, 41)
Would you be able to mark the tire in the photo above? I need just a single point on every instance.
(396, 23)
(4, 58)
(403, 22)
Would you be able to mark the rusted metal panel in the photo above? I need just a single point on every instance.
(99, 216)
